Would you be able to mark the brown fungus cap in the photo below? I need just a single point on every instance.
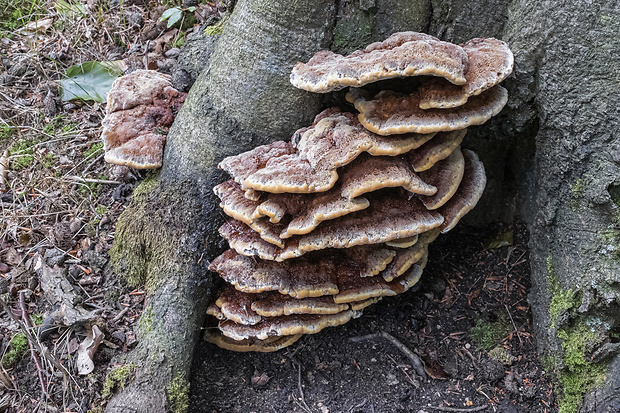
(298, 278)
(446, 175)
(237, 306)
(403, 242)
(313, 275)
(391, 215)
(140, 87)
(276, 304)
(405, 258)
(395, 113)
(402, 54)
(141, 109)
(468, 194)
(285, 325)
(309, 163)
(252, 344)
(438, 148)
(365, 174)
(490, 62)
(355, 289)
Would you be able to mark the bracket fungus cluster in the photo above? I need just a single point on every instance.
(342, 215)
(141, 107)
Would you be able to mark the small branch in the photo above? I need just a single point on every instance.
(4, 165)
(456, 409)
(33, 353)
(416, 363)
(301, 392)
(514, 325)
(93, 181)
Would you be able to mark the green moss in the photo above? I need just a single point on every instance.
(5, 133)
(216, 28)
(561, 300)
(17, 13)
(579, 374)
(22, 153)
(577, 191)
(487, 335)
(95, 148)
(17, 348)
(37, 319)
(178, 394)
(146, 319)
(117, 379)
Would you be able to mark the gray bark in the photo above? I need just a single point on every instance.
(552, 156)
(243, 99)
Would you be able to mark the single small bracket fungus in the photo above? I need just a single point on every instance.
(141, 108)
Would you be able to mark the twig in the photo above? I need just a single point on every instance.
(514, 325)
(473, 359)
(120, 315)
(456, 409)
(33, 353)
(93, 181)
(90, 165)
(301, 392)
(4, 164)
(416, 363)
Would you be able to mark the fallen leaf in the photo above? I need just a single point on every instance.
(38, 26)
(89, 81)
(86, 351)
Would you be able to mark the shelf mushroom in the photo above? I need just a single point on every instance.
(342, 215)
(141, 107)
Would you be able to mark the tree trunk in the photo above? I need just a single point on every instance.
(552, 158)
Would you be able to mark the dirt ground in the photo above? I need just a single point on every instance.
(468, 322)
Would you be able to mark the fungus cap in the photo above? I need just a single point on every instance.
(395, 113)
(402, 54)
(309, 163)
(252, 344)
(490, 62)
(446, 176)
(467, 195)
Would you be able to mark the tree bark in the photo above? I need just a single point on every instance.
(552, 157)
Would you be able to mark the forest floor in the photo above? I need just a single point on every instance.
(468, 322)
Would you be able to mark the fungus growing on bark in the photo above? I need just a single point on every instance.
(401, 54)
(395, 113)
(446, 175)
(141, 108)
(389, 216)
(251, 344)
(467, 195)
(309, 163)
(490, 62)
(340, 216)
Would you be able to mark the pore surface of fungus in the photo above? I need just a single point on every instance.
(395, 113)
(402, 54)
(250, 344)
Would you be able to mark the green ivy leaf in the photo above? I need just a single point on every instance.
(89, 81)
(173, 15)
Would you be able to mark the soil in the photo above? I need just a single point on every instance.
(465, 289)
